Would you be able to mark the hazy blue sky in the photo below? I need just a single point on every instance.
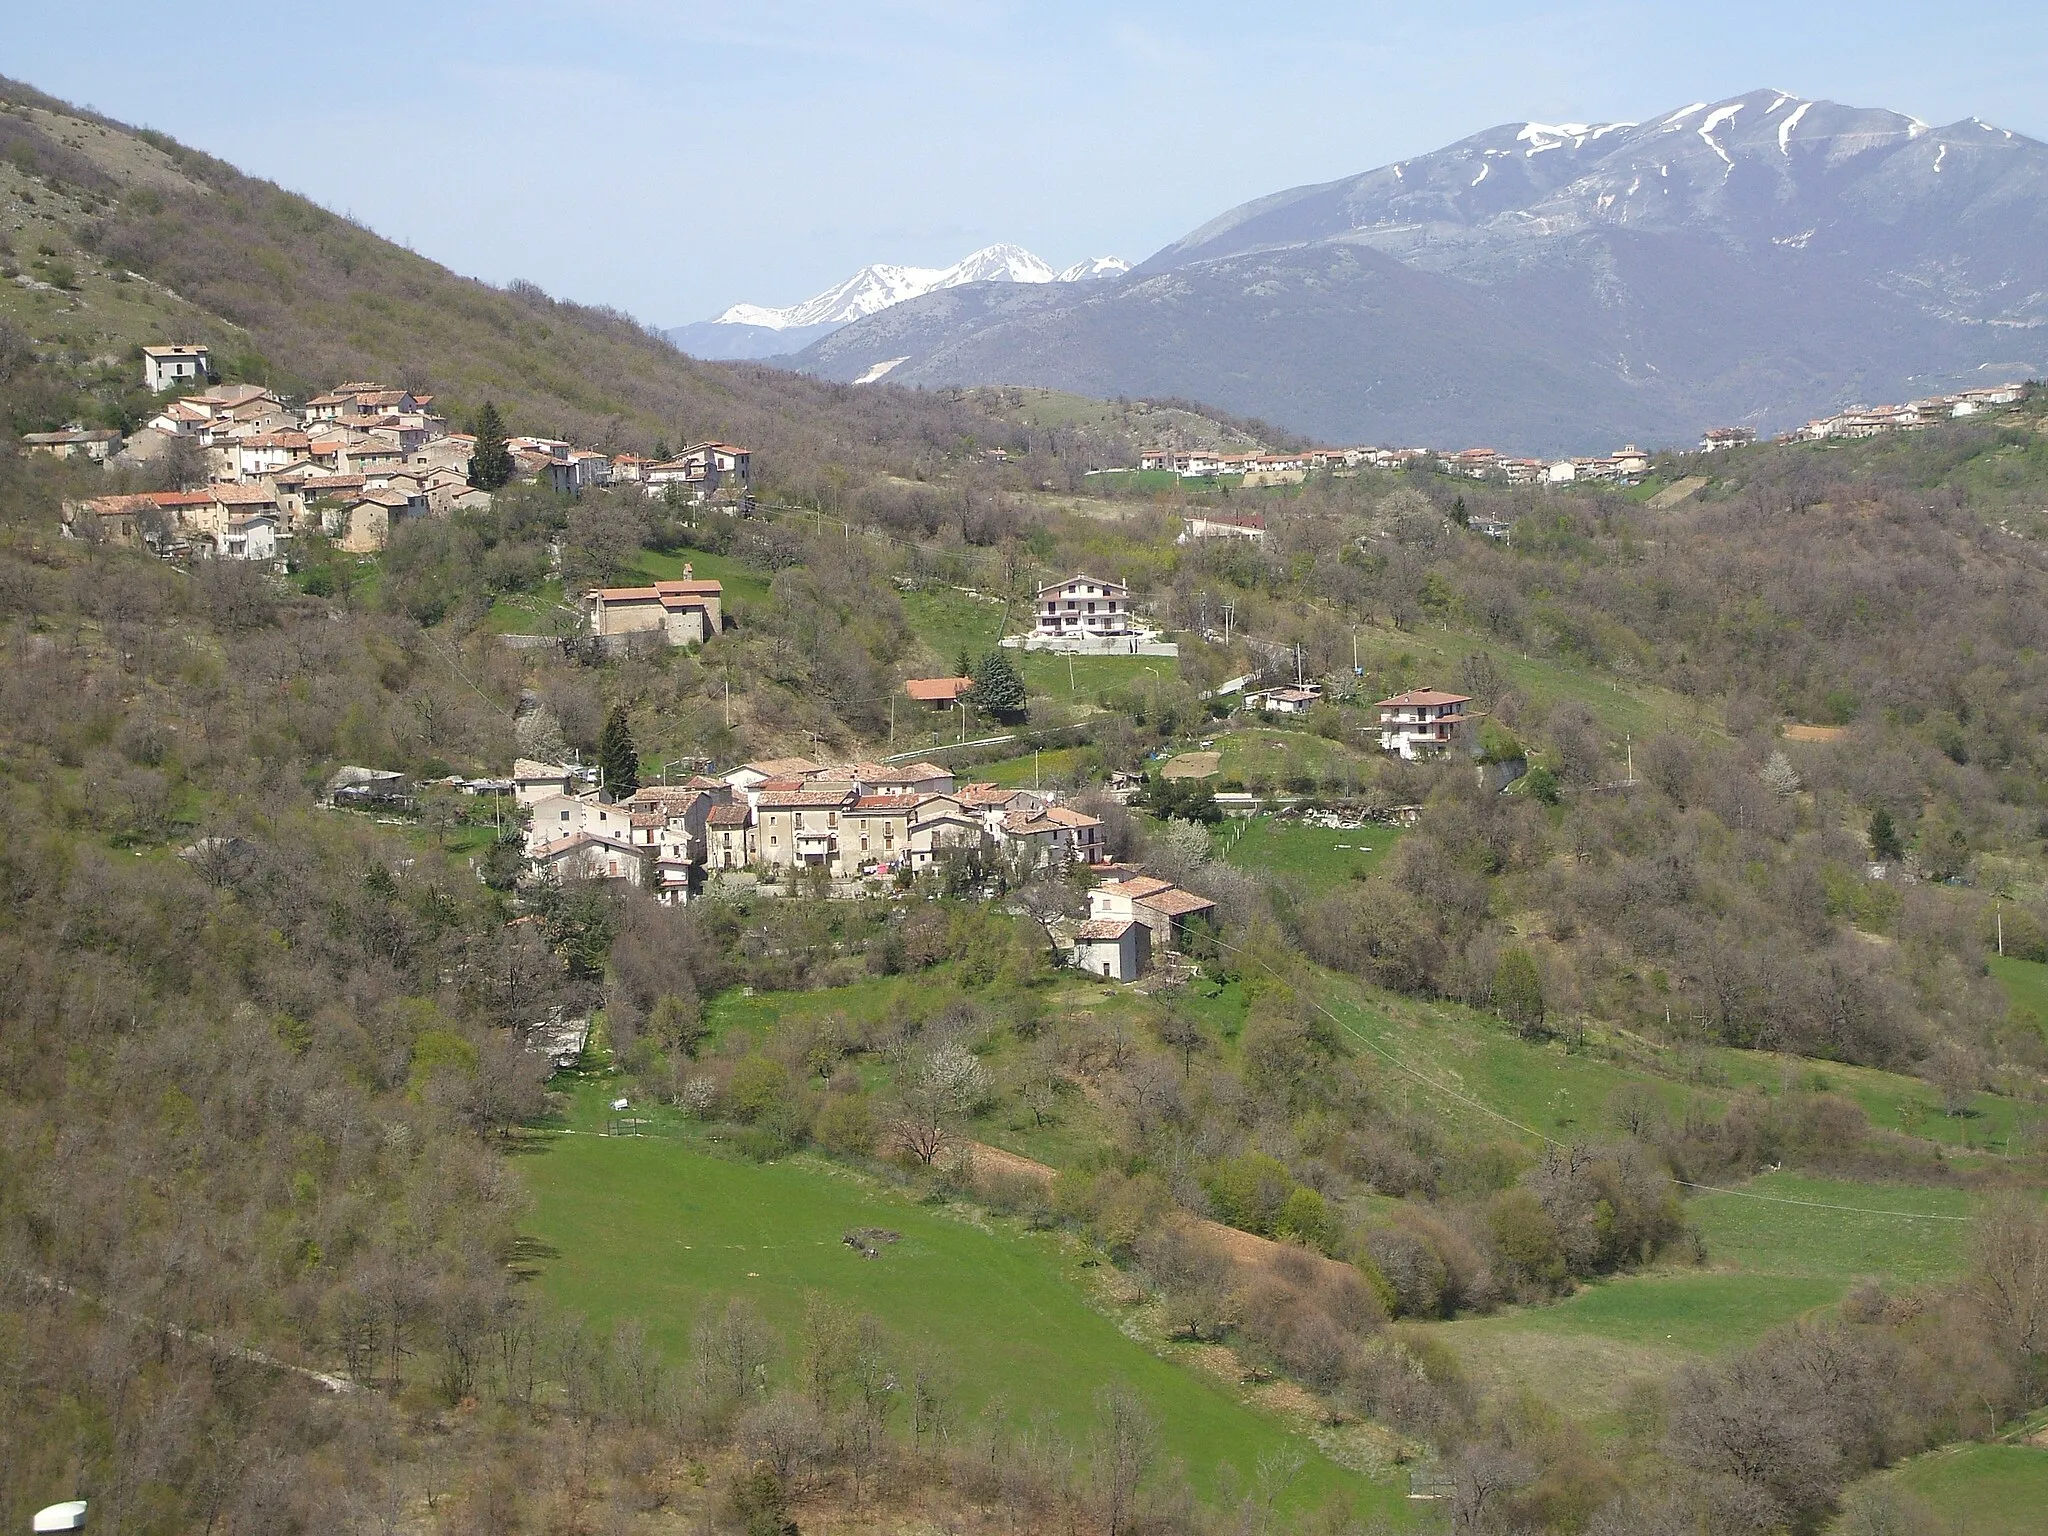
(672, 156)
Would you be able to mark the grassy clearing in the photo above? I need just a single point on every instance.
(527, 613)
(1761, 1237)
(2002, 1490)
(1767, 1265)
(1316, 858)
(536, 612)
(1023, 772)
(743, 584)
(2026, 986)
(1267, 755)
(1436, 657)
(950, 623)
(1071, 678)
(650, 1229)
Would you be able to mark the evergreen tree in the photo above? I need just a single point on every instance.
(1518, 991)
(1885, 842)
(618, 756)
(997, 690)
(491, 465)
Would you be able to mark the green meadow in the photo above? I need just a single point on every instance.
(648, 1228)
(1998, 1490)
(1316, 858)
(1769, 1261)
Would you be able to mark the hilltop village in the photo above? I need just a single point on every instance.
(349, 464)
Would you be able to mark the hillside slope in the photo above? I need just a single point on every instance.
(130, 238)
(1549, 288)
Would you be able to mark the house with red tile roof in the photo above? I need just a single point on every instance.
(1422, 722)
(686, 612)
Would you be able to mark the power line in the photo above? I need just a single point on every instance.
(1818, 1205)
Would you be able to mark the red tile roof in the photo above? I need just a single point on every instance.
(1104, 928)
(1175, 902)
(933, 690)
(1423, 696)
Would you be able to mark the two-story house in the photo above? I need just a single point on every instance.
(1422, 722)
(1084, 607)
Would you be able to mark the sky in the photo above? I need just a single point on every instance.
(671, 157)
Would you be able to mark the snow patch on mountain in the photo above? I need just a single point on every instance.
(876, 288)
(1785, 129)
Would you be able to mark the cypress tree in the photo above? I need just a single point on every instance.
(618, 756)
(997, 690)
(1518, 991)
(491, 465)
(1885, 841)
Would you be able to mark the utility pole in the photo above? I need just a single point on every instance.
(728, 699)
(1229, 613)
(892, 722)
(1631, 741)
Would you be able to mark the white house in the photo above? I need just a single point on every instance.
(1296, 700)
(1155, 904)
(250, 537)
(1085, 607)
(590, 856)
(1115, 948)
(1422, 722)
(558, 816)
(166, 367)
(1219, 526)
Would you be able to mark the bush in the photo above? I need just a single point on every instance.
(847, 1125)
(759, 1085)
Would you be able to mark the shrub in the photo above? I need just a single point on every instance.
(759, 1085)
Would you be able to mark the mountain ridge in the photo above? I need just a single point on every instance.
(756, 331)
(1756, 260)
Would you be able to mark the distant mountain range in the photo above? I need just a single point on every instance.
(755, 331)
(1551, 287)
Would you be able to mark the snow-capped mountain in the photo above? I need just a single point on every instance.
(1550, 286)
(756, 330)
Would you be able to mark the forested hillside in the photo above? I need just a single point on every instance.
(1639, 1127)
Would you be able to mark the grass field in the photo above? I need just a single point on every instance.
(2026, 986)
(1071, 678)
(1767, 1264)
(1997, 1490)
(1273, 756)
(1317, 858)
(743, 584)
(650, 1229)
(1023, 772)
(950, 622)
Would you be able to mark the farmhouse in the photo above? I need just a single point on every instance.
(99, 444)
(1084, 607)
(937, 692)
(1159, 905)
(1115, 948)
(686, 612)
(1421, 722)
